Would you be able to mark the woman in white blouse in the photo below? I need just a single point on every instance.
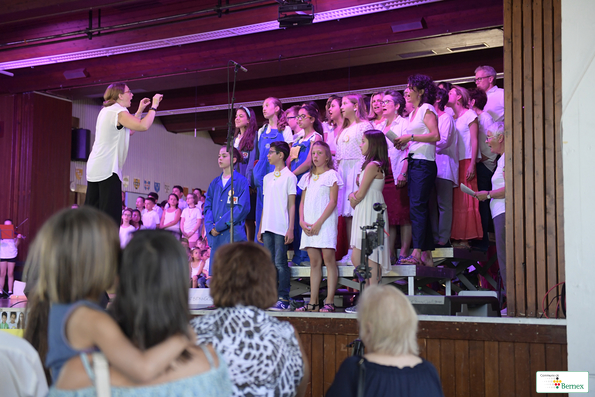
(466, 222)
(447, 161)
(423, 134)
(495, 139)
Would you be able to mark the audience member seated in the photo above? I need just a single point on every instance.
(391, 365)
(151, 217)
(136, 219)
(151, 305)
(21, 372)
(126, 229)
(264, 355)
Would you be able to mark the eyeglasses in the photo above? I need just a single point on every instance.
(386, 102)
(302, 116)
(126, 92)
(290, 117)
(477, 79)
(273, 152)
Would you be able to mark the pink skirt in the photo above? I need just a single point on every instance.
(466, 222)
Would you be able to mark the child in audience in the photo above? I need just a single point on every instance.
(140, 204)
(170, 220)
(77, 253)
(276, 226)
(126, 229)
(136, 219)
(191, 220)
(204, 280)
(217, 212)
(319, 219)
(197, 263)
(150, 218)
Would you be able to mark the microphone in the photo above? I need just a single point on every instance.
(243, 69)
(379, 207)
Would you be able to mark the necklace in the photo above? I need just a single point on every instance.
(277, 174)
(315, 177)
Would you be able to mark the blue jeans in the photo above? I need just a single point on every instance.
(299, 255)
(421, 178)
(275, 243)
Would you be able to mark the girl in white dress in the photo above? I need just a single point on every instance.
(318, 219)
(349, 154)
(371, 183)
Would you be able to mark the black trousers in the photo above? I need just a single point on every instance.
(106, 196)
(421, 177)
(484, 182)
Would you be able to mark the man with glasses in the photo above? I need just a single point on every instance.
(485, 79)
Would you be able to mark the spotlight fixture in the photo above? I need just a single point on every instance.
(295, 13)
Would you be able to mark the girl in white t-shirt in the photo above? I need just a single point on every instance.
(126, 229)
(318, 219)
(170, 220)
(191, 220)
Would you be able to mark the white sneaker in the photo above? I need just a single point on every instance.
(346, 260)
(352, 309)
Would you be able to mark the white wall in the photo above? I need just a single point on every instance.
(578, 136)
(156, 155)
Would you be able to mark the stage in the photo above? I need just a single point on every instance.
(474, 356)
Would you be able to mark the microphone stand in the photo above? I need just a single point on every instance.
(230, 130)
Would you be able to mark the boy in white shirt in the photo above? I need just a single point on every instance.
(150, 217)
(276, 225)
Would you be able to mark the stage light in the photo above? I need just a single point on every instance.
(295, 13)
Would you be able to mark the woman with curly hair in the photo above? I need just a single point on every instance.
(421, 135)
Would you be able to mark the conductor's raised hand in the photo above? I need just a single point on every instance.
(156, 99)
(144, 103)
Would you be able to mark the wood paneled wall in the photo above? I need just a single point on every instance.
(473, 359)
(534, 190)
(35, 140)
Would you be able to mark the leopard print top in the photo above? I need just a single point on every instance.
(262, 353)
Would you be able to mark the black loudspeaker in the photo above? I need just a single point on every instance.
(81, 144)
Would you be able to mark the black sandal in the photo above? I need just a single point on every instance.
(308, 308)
